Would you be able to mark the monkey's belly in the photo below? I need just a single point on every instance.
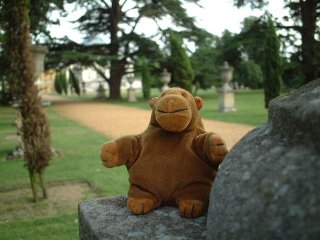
(163, 175)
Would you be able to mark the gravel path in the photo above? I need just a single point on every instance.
(115, 121)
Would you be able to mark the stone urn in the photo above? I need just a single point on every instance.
(165, 78)
(38, 53)
(226, 75)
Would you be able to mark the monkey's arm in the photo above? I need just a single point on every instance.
(211, 148)
(120, 151)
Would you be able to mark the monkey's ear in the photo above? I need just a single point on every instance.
(198, 101)
(152, 101)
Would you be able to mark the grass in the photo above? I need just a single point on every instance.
(80, 148)
(249, 104)
(53, 228)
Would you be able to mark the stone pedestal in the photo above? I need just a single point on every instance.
(101, 93)
(131, 95)
(226, 97)
(109, 218)
(226, 101)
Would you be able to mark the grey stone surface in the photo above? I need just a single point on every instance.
(268, 186)
(109, 218)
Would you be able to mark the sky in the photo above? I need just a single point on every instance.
(215, 16)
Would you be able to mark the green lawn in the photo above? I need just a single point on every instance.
(80, 149)
(79, 160)
(249, 104)
(62, 227)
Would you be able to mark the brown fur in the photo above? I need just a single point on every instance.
(174, 161)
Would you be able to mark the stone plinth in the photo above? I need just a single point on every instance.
(268, 186)
(226, 101)
(131, 95)
(101, 93)
(109, 218)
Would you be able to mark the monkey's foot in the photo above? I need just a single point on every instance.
(140, 205)
(191, 208)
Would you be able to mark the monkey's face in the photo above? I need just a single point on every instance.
(174, 109)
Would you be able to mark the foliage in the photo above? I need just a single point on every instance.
(146, 80)
(251, 39)
(20, 74)
(304, 16)
(58, 84)
(61, 82)
(292, 73)
(229, 49)
(5, 93)
(118, 20)
(252, 3)
(74, 82)
(204, 63)
(249, 74)
(182, 72)
(66, 52)
(39, 17)
(272, 72)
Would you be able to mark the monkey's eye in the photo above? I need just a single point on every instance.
(184, 94)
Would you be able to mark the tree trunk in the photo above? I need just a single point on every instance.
(308, 11)
(33, 184)
(117, 68)
(43, 184)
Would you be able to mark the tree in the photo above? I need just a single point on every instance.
(118, 20)
(38, 19)
(229, 49)
(20, 74)
(252, 37)
(182, 72)
(204, 62)
(58, 83)
(74, 82)
(272, 65)
(249, 74)
(146, 80)
(252, 3)
(305, 15)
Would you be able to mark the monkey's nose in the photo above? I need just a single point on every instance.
(171, 105)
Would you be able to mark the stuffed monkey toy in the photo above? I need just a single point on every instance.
(174, 161)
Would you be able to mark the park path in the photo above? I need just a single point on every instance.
(115, 121)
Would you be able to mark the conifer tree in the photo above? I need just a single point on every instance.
(272, 65)
(20, 73)
(181, 66)
(146, 80)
